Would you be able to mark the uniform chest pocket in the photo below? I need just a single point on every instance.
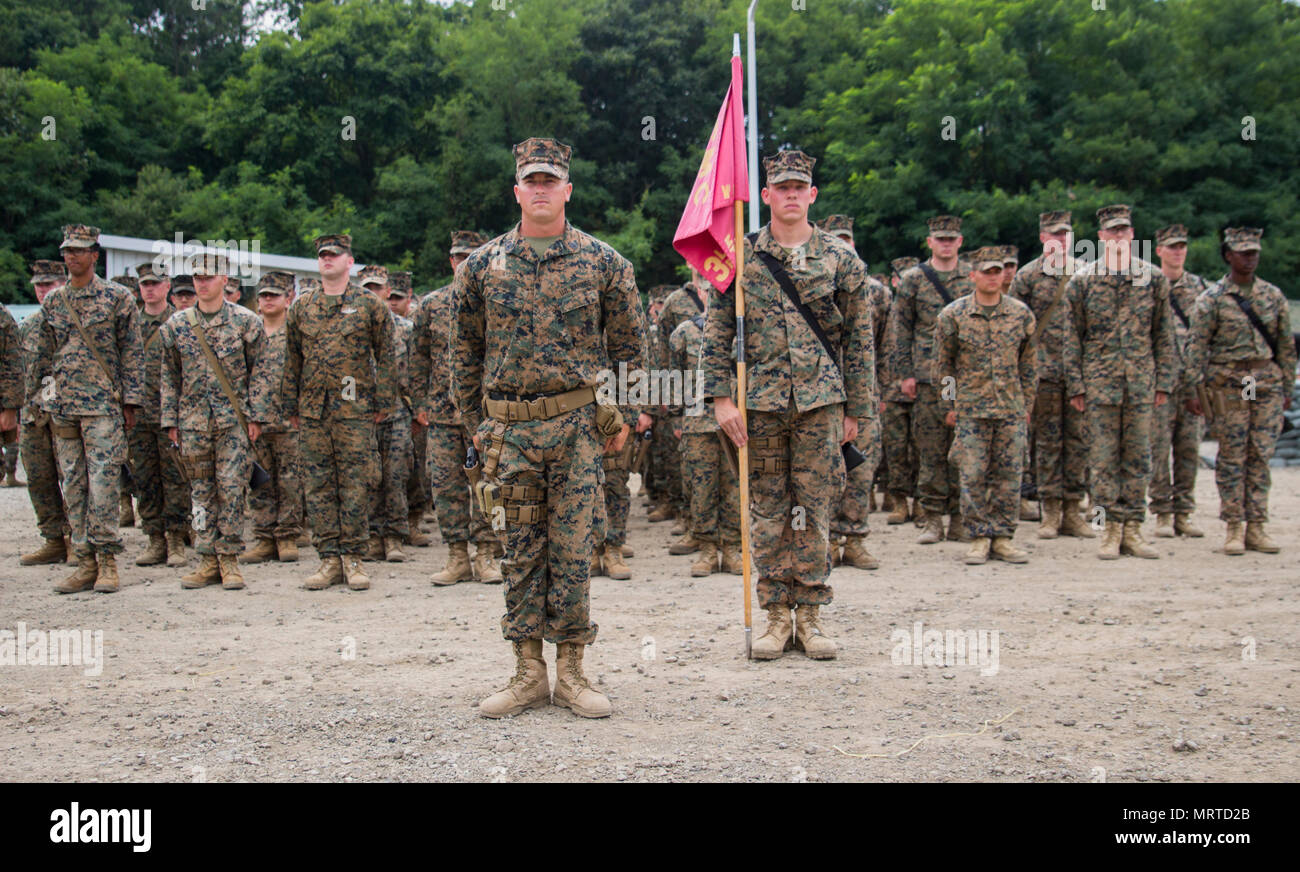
(1140, 309)
(580, 308)
(819, 297)
(1099, 309)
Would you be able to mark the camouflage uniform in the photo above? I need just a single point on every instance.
(710, 480)
(680, 305)
(37, 439)
(448, 443)
(1119, 351)
(87, 407)
(214, 447)
(164, 496)
(1175, 431)
(990, 356)
(660, 467)
(276, 506)
(1059, 430)
(339, 372)
(11, 383)
(418, 496)
(850, 516)
(528, 327)
(388, 508)
(797, 401)
(911, 323)
(898, 451)
(1225, 350)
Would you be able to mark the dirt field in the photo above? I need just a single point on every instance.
(1131, 670)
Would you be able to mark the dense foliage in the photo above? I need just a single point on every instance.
(148, 117)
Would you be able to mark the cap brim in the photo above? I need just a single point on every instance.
(152, 280)
(331, 249)
(1245, 246)
(76, 243)
(789, 175)
(1173, 240)
(400, 295)
(371, 280)
(1057, 228)
(461, 249)
(550, 169)
(46, 277)
(987, 265)
(945, 234)
(1116, 222)
(184, 289)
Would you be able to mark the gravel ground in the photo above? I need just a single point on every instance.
(1181, 669)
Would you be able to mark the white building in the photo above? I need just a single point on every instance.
(122, 254)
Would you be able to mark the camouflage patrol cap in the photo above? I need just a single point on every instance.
(789, 164)
(988, 257)
(840, 225)
(79, 236)
(307, 283)
(538, 155)
(944, 226)
(1171, 235)
(399, 283)
(373, 274)
(1055, 222)
(901, 264)
(1119, 215)
(150, 272)
(233, 284)
(333, 243)
(182, 284)
(465, 241)
(48, 271)
(127, 282)
(275, 282)
(208, 264)
(1010, 253)
(1242, 238)
(661, 292)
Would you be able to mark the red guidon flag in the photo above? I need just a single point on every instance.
(706, 234)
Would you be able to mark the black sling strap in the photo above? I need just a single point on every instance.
(695, 298)
(1178, 310)
(1254, 319)
(934, 280)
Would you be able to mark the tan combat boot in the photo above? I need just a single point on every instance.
(596, 571)
(458, 567)
(732, 561)
(898, 513)
(393, 550)
(706, 561)
(1183, 526)
(1050, 526)
(175, 548)
(329, 573)
(627, 550)
(1133, 543)
(304, 538)
(1073, 522)
(126, 513)
(11, 480)
(1257, 540)
(615, 566)
(53, 551)
(1029, 511)
(1004, 550)
(1165, 525)
(663, 512)
(919, 514)
(680, 527)
(155, 552)
(957, 529)
(688, 544)
(572, 690)
(416, 537)
(871, 503)
(857, 555)
(82, 579)
(263, 551)
(529, 688)
(933, 531)
(209, 572)
(808, 635)
(231, 577)
(485, 564)
(1235, 543)
(107, 580)
(355, 573)
(887, 503)
(779, 636)
(286, 548)
(374, 549)
(978, 554)
(1109, 547)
